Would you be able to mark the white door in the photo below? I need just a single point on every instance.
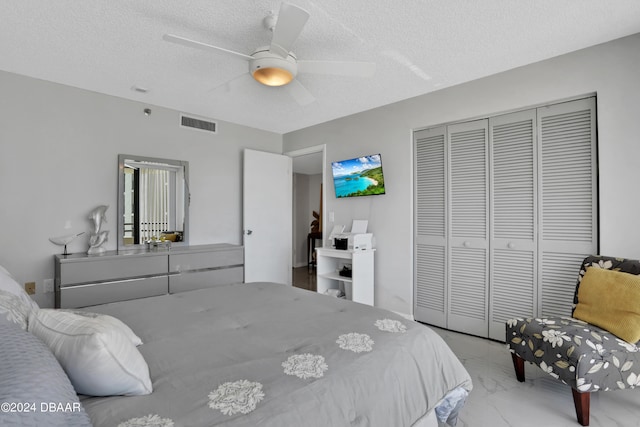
(514, 223)
(430, 272)
(468, 256)
(267, 217)
(568, 207)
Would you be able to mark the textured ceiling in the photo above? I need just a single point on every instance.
(110, 46)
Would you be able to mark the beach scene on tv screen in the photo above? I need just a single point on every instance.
(361, 176)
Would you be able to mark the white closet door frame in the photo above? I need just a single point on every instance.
(564, 134)
(468, 250)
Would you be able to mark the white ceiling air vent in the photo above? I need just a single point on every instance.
(198, 124)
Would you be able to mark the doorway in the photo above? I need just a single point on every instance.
(309, 193)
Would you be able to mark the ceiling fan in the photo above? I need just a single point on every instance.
(276, 65)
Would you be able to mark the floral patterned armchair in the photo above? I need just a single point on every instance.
(581, 355)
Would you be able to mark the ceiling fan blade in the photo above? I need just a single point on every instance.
(299, 93)
(203, 46)
(406, 62)
(291, 20)
(338, 68)
(229, 85)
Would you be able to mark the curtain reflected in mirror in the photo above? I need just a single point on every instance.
(153, 200)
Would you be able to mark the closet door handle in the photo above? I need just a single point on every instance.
(466, 244)
(511, 245)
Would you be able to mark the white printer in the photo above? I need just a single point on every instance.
(357, 239)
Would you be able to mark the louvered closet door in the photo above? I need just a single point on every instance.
(468, 227)
(430, 227)
(568, 200)
(513, 227)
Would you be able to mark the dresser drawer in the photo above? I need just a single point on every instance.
(84, 280)
(203, 260)
(104, 269)
(106, 292)
(205, 279)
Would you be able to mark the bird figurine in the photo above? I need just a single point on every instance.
(64, 241)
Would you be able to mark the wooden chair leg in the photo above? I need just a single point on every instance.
(518, 365)
(581, 402)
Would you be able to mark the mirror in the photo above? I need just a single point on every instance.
(153, 201)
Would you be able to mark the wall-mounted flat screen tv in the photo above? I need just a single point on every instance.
(361, 176)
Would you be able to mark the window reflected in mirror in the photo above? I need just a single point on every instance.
(153, 204)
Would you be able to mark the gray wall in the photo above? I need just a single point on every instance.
(610, 70)
(58, 161)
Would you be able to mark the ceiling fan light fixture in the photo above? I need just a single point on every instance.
(272, 76)
(272, 70)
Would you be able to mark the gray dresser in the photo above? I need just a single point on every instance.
(83, 280)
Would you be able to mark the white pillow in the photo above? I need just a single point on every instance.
(104, 318)
(10, 284)
(14, 309)
(98, 357)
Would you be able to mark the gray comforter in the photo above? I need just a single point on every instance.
(263, 354)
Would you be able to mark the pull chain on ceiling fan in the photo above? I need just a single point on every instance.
(276, 65)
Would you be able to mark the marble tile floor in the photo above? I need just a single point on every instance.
(499, 400)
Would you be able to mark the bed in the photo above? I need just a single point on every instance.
(271, 355)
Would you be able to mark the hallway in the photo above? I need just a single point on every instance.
(304, 278)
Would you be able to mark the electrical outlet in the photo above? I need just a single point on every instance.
(30, 287)
(47, 284)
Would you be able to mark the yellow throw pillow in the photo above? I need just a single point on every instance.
(611, 300)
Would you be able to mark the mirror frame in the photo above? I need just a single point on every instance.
(179, 163)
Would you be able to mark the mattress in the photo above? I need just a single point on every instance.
(272, 355)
